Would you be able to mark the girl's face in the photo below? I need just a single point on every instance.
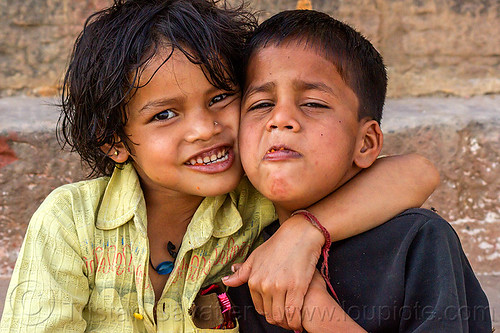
(183, 131)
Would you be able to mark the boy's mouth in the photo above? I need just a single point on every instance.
(280, 153)
(216, 155)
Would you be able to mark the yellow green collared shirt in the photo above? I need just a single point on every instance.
(84, 265)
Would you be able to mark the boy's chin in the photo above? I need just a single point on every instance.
(287, 198)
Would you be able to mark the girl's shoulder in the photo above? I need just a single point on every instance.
(70, 203)
(74, 193)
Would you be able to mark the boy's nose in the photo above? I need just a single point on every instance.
(283, 118)
(203, 127)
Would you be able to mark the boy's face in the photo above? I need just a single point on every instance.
(299, 126)
(183, 131)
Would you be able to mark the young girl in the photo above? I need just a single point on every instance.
(151, 104)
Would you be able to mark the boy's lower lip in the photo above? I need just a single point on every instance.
(217, 166)
(281, 155)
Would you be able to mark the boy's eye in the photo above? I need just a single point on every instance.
(315, 105)
(262, 105)
(164, 115)
(219, 98)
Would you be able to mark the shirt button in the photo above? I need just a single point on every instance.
(138, 316)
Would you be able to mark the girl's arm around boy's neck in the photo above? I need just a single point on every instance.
(280, 271)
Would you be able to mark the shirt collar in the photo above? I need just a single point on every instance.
(216, 216)
(123, 200)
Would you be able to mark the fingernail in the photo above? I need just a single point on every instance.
(233, 269)
(225, 278)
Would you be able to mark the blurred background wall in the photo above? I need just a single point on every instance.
(431, 47)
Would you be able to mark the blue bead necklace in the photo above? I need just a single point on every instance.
(166, 267)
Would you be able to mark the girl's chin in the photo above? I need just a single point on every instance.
(221, 185)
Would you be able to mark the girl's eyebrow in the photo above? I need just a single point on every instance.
(157, 103)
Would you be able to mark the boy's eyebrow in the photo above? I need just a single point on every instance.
(253, 89)
(303, 85)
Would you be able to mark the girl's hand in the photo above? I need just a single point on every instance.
(279, 272)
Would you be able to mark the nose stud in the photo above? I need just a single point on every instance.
(216, 123)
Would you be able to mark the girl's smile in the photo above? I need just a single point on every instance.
(213, 160)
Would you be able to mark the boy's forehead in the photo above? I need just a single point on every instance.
(273, 60)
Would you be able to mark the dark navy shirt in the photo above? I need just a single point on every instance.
(408, 275)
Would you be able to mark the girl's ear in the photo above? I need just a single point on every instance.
(369, 144)
(118, 152)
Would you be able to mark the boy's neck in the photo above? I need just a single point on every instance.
(283, 213)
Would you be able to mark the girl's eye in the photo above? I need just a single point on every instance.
(164, 115)
(219, 98)
(262, 105)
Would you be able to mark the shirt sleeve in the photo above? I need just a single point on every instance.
(49, 287)
(442, 293)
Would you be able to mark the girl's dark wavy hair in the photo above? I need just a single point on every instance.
(111, 52)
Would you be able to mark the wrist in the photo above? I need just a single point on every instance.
(311, 235)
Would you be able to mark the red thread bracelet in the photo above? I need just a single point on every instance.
(324, 251)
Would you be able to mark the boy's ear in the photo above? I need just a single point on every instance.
(369, 144)
(118, 152)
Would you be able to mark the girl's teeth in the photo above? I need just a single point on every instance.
(219, 157)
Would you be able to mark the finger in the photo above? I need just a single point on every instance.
(293, 306)
(240, 276)
(256, 299)
(267, 302)
(278, 310)
(236, 267)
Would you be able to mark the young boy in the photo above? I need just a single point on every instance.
(312, 105)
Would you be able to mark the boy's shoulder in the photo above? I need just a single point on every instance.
(418, 220)
(415, 227)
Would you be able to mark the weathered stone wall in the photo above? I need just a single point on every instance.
(431, 47)
(36, 38)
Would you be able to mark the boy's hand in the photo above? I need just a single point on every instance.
(321, 313)
(279, 272)
(318, 306)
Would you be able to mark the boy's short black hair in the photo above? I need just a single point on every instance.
(110, 53)
(356, 60)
